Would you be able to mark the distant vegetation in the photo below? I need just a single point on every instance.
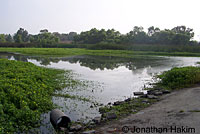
(101, 39)
(179, 35)
(60, 52)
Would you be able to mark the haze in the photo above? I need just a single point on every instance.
(65, 16)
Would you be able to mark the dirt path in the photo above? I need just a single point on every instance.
(178, 112)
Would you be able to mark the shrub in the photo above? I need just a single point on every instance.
(180, 77)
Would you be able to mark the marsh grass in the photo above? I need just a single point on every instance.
(71, 97)
(63, 52)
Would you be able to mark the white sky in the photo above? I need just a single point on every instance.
(79, 15)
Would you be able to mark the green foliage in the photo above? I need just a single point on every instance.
(2, 38)
(179, 35)
(25, 93)
(95, 36)
(72, 97)
(177, 78)
(21, 36)
(8, 38)
(165, 48)
(18, 39)
(126, 108)
(5, 38)
(60, 52)
(44, 38)
(65, 37)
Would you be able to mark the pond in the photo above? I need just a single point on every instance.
(109, 79)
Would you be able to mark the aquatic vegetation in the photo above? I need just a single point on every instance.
(61, 52)
(71, 97)
(177, 78)
(25, 93)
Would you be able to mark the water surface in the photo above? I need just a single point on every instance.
(110, 79)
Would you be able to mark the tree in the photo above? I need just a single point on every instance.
(18, 38)
(137, 36)
(44, 31)
(181, 39)
(183, 30)
(137, 30)
(9, 38)
(44, 38)
(2, 38)
(152, 30)
(71, 36)
(23, 34)
(95, 36)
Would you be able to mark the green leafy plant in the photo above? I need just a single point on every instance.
(177, 78)
(25, 93)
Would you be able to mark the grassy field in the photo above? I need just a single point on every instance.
(60, 52)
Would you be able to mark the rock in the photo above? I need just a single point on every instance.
(91, 106)
(118, 103)
(150, 92)
(97, 120)
(103, 119)
(144, 96)
(109, 103)
(89, 132)
(152, 97)
(157, 88)
(111, 115)
(75, 127)
(166, 92)
(145, 101)
(101, 104)
(158, 93)
(91, 125)
(127, 100)
(134, 110)
(138, 93)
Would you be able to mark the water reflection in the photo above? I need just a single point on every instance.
(110, 79)
(93, 62)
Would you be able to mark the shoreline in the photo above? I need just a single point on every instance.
(158, 114)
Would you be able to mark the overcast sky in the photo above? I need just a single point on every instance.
(79, 15)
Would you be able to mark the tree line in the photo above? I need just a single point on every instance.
(180, 35)
(43, 39)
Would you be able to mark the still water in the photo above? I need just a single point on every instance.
(109, 78)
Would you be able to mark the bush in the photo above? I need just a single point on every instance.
(177, 78)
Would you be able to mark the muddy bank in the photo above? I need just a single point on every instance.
(177, 112)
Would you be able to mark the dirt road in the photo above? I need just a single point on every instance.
(177, 112)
